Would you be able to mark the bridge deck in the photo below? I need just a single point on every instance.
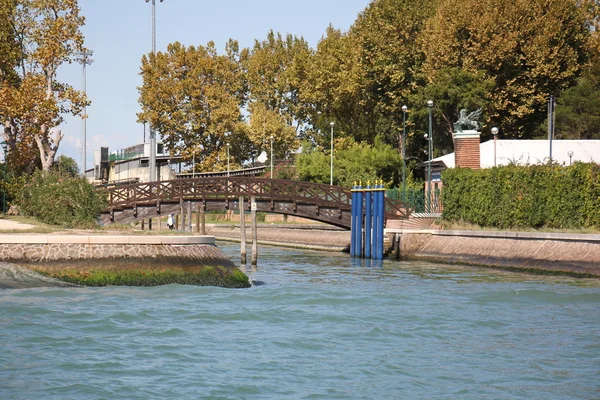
(329, 204)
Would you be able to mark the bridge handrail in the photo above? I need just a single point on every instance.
(186, 189)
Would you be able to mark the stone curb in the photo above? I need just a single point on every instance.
(106, 239)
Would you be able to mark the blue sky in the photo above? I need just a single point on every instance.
(119, 33)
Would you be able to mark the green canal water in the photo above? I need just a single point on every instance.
(315, 326)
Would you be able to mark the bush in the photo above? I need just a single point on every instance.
(60, 199)
(532, 196)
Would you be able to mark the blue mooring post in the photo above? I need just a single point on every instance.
(368, 220)
(359, 221)
(378, 230)
(353, 222)
(382, 219)
(375, 221)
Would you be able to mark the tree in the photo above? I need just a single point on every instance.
(193, 97)
(66, 166)
(452, 90)
(276, 69)
(353, 162)
(47, 35)
(336, 90)
(531, 48)
(387, 35)
(9, 47)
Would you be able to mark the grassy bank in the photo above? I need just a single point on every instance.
(200, 276)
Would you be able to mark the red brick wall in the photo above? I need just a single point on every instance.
(466, 152)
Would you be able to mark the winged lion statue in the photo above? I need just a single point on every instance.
(468, 121)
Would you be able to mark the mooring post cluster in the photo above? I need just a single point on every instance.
(368, 205)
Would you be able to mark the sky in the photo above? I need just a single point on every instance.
(119, 32)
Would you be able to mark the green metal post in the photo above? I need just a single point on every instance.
(429, 156)
(404, 108)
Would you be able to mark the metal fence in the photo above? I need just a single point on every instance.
(418, 199)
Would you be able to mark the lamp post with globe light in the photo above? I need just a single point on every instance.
(429, 154)
(152, 160)
(331, 150)
(271, 156)
(495, 133)
(404, 109)
(5, 150)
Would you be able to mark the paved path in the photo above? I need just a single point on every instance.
(10, 225)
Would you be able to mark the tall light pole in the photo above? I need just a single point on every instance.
(271, 157)
(84, 58)
(5, 149)
(331, 150)
(429, 154)
(495, 133)
(404, 109)
(152, 161)
(227, 145)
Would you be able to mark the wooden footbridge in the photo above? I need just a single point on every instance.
(318, 202)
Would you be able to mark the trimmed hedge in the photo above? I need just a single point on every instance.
(532, 196)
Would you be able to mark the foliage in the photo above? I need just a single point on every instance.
(503, 56)
(353, 162)
(532, 196)
(578, 108)
(203, 276)
(48, 35)
(60, 199)
(530, 48)
(192, 96)
(66, 166)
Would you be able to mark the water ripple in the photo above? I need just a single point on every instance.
(321, 327)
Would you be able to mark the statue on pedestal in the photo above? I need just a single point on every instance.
(467, 122)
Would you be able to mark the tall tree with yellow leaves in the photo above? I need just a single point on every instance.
(47, 35)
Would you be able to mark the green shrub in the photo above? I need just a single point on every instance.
(533, 196)
(60, 199)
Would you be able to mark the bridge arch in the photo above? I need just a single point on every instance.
(318, 202)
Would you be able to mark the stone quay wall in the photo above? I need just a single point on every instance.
(49, 249)
(577, 254)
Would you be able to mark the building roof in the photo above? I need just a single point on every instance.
(525, 152)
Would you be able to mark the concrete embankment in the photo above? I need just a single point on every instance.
(116, 260)
(575, 254)
(308, 236)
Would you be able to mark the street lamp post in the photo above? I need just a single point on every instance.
(331, 150)
(5, 149)
(495, 133)
(84, 58)
(152, 161)
(404, 109)
(429, 155)
(271, 158)
(570, 154)
(227, 145)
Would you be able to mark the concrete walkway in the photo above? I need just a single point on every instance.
(10, 225)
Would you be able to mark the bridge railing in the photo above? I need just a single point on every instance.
(199, 189)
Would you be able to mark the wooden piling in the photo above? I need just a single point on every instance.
(149, 224)
(203, 218)
(182, 213)
(189, 213)
(254, 230)
(242, 231)
(197, 218)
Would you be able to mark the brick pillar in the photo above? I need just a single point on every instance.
(466, 149)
